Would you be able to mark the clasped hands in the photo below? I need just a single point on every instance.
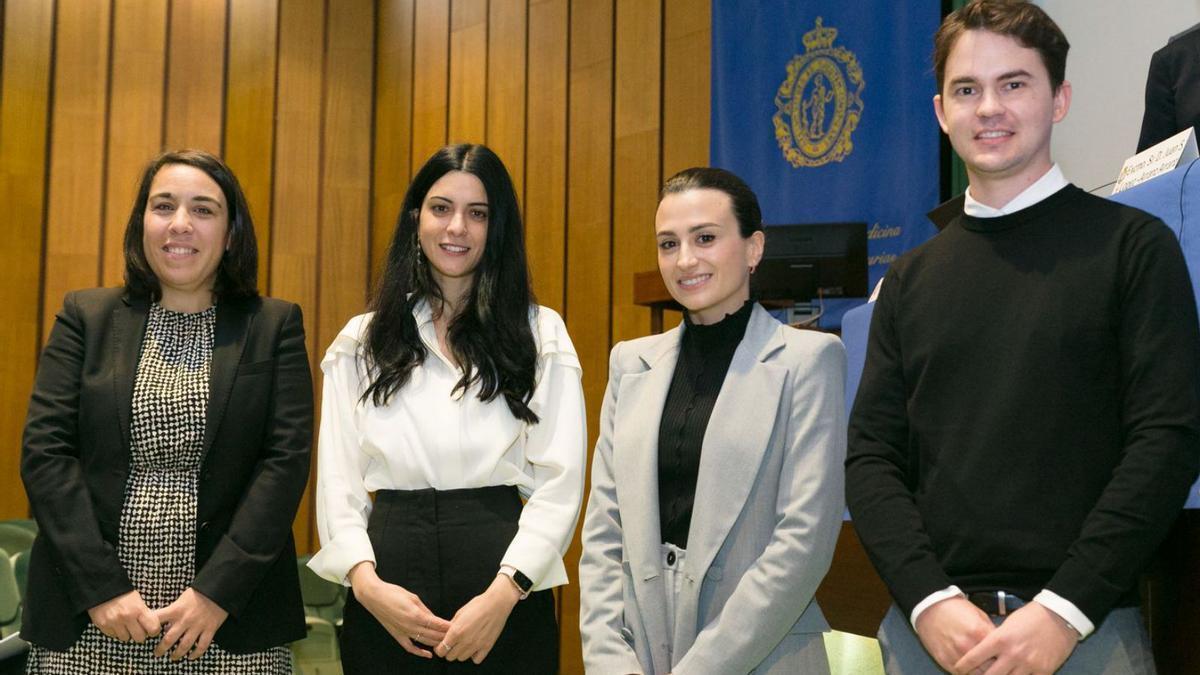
(191, 622)
(963, 640)
(469, 635)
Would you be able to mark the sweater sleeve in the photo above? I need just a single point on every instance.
(1159, 351)
(881, 465)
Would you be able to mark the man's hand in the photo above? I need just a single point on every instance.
(477, 624)
(192, 621)
(125, 617)
(398, 610)
(1032, 639)
(950, 628)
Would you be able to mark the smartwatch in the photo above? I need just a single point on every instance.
(522, 583)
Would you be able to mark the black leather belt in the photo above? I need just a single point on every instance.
(996, 603)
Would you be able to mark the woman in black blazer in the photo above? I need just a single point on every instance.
(167, 447)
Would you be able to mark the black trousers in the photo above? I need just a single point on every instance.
(445, 546)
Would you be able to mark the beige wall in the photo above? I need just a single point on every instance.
(324, 108)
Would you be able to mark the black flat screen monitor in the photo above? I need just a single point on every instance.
(806, 260)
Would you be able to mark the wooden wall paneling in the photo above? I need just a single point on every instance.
(196, 75)
(589, 194)
(135, 118)
(687, 87)
(393, 122)
(24, 115)
(468, 71)
(589, 237)
(687, 27)
(431, 66)
(74, 215)
(295, 202)
(345, 167)
(636, 141)
(546, 151)
(250, 113)
(506, 44)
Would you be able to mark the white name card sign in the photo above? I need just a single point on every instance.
(1157, 160)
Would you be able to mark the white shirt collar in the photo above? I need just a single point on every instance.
(1052, 181)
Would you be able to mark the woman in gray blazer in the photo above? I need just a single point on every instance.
(717, 479)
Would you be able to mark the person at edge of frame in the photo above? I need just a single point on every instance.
(1025, 432)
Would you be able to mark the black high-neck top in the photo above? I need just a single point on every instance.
(704, 358)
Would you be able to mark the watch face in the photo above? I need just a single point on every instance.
(523, 582)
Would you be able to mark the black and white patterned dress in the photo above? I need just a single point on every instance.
(157, 541)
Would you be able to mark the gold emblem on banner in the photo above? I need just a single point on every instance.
(820, 102)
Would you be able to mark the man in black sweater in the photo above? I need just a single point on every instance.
(1028, 422)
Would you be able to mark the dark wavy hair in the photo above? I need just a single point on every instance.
(237, 274)
(1023, 21)
(491, 337)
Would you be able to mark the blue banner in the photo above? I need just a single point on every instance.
(825, 107)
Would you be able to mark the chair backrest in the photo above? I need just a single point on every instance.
(851, 654)
(318, 653)
(23, 523)
(1175, 199)
(15, 538)
(20, 563)
(856, 325)
(10, 597)
(322, 598)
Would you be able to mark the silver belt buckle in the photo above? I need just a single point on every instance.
(1001, 606)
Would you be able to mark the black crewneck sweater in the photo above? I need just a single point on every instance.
(1028, 415)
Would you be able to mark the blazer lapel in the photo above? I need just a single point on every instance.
(129, 328)
(229, 339)
(635, 458)
(736, 439)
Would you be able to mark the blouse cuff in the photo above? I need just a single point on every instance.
(537, 560)
(335, 559)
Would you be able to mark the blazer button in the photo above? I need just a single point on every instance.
(204, 526)
(670, 557)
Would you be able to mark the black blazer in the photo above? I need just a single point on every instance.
(1172, 90)
(257, 441)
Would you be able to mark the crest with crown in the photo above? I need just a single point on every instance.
(820, 103)
(819, 37)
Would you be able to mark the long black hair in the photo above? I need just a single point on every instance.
(237, 274)
(491, 337)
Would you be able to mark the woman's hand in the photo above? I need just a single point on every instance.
(402, 613)
(475, 627)
(191, 622)
(125, 617)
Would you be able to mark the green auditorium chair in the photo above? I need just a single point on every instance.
(20, 563)
(23, 523)
(851, 654)
(317, 653)
(15, 538)
(323, 599)
(10, 598)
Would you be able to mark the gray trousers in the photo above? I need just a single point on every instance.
(1119, 646)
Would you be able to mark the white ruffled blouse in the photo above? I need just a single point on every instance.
(427, 438)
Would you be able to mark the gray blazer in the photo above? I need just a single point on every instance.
(769, 504)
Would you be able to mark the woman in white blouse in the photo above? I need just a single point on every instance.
(453, 399)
